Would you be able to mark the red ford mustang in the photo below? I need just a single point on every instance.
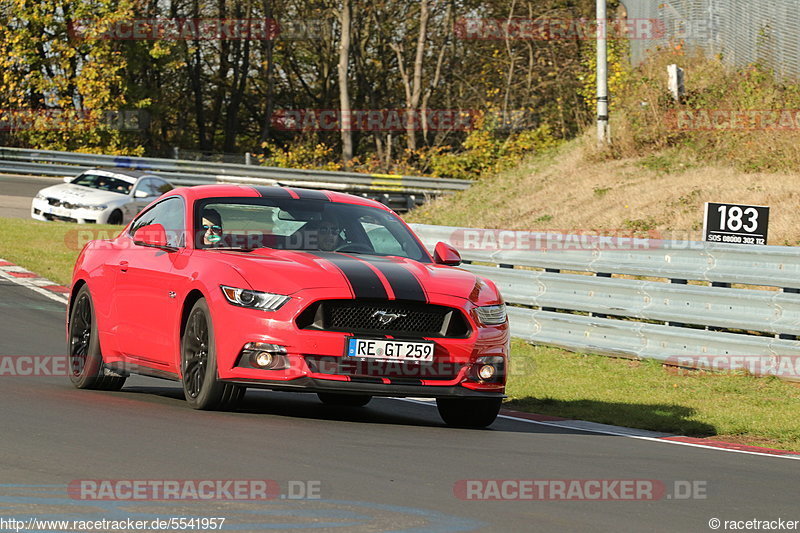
(225, 287)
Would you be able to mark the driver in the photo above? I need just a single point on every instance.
(328, 235)
(212, 227)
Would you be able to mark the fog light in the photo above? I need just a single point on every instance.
(486, 372)
(262, 359)
(264, 356)
(489, 369)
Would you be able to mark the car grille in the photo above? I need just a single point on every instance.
(55, 202)
(381, 317)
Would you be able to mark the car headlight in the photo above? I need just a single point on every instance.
(492, 315)
(266, 301)
(84, 206)
(40, 196)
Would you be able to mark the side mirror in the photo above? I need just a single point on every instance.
(444, 254)
(153, 235)
(68, 179)
(140, 194)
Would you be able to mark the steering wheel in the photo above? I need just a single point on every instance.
(354, 247)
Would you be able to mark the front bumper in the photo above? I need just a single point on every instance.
(317, 360)
(41, 210)
(307, 384)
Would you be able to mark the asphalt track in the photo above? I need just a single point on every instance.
(391, 466)
(16, 193)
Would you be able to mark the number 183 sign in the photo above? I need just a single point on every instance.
(736, 224)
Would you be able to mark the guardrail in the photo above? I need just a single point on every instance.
(698, 299)
(399, 192)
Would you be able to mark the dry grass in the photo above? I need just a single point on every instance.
(576, 189)
(655, 177)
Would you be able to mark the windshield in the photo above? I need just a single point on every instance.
(307, 225)
(103, 183)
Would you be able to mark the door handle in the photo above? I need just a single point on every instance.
(123, 266)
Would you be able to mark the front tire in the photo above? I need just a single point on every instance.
(201, 386)
(86, 369)
(468, 413)
(115, 217)
(345, 400)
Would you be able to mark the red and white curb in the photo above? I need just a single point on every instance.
(642, 434)
(58, 293)
(19, 276)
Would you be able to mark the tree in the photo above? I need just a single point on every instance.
(344, 94)
(61, 76)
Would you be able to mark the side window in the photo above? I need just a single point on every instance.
(388, 236)
(147, 186)
(170, 214)
(160, 186)
(383, 242)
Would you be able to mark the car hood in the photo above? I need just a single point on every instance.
(291, 271)
(79, 194)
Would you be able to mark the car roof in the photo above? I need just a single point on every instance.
(199, 192)
(126, 172)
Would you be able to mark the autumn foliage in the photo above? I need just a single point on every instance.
(220, 95)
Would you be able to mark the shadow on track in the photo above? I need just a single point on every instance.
(667, 418)
(306, 406)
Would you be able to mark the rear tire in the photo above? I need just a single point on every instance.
(201, 386)
(347, 400)
(468, 413)
(86, 370)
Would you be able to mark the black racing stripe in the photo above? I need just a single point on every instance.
(404, 285)
(365, 379)
(364, 281)
(405, 381)
(271, 192)
(308, 194)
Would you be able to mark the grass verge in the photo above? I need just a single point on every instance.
(643, 394)
(545, 380)
(47, 248)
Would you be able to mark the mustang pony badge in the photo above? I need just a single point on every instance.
(386, 318)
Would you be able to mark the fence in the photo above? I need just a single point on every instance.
(742, 31)
(663, 316)
(399, 192)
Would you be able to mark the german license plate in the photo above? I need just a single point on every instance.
(390, 350)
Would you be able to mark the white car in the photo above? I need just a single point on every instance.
(99, 196)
